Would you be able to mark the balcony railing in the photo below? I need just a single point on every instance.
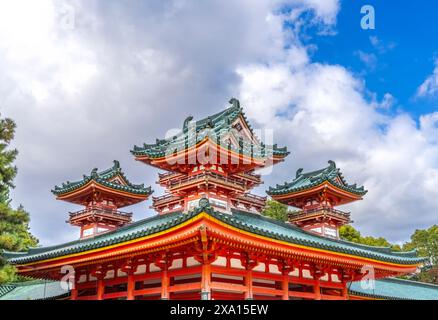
(249, 176)
(210, 176)
(104, 211)
(252, 198)
(320, 209)
(165, 199)
(167, 175)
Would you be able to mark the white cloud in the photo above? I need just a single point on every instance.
(380, 45)
(430, 86)
(85, 81)
(369, 59)
(321, 113)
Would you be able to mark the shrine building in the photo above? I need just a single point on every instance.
(207, 238)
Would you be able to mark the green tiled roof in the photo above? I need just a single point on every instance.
(104, 178)
(304, 181)
(32, 290)
(253, 223)
(396, 289)
(215, 126)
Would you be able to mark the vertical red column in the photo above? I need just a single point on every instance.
(130, 286)
(165, 284)
(345, 291)
(100, 288)
(74, 294)
(206, 282)
(317, 289)
(248, 283)
(285, 286)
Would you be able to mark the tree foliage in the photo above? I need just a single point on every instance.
(426, 243)
(276, 210)
(14, 223)
(349, 233)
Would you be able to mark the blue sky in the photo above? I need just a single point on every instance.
(85, 80)
(407, 32)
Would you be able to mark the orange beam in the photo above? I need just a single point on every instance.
(303, 295)
(268, 291)
(185, 287)
(228, 287)
(148, 291)
(113, 295)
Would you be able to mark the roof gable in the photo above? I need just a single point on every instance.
(308, 180)
(112, 178)
(213, 127)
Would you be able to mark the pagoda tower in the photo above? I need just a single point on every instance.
(212, 158)
(317, 193)
(102, 194)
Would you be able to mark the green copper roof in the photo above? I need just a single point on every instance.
(304, 181)
(104, 178)
(253, 223)
(396, 289)
(215, 127)
(32, 290)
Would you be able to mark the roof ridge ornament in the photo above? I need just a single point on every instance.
(210, 123)
(332, 164)
(235, 103)
(186, 122)
(204, 203)
(94, 173)
(299, 172)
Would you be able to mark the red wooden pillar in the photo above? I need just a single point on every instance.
(130, 287)
(74, 294)
(248, 283)
(74, 289)
(317, 289)
(285, 286)
(317, 273)
(206, 282)
(165, 284)
(100, 288)
(129, 267)
(345, 291)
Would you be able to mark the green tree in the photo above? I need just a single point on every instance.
(426, 243)
(14, 223)
(351, 234)
(276, 210)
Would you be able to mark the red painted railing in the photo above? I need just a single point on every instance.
(204, 175)
(252, 198)
(319, 208)
(164, 199)
(95, 209)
